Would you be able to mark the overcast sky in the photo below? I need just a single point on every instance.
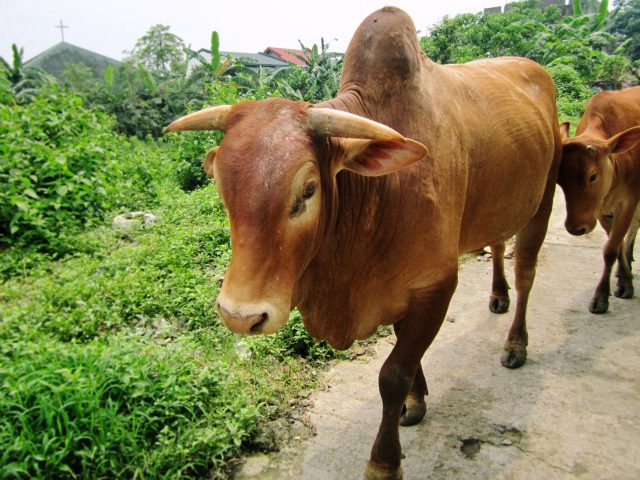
(110, 27)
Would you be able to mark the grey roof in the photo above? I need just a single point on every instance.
(247, 59)
(57, 58)
(250, 60)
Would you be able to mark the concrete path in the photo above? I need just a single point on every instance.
(571, 412)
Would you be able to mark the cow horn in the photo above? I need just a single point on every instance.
(212, 118)
(336, 123)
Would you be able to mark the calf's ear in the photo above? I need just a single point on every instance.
(373, 158)
(564, 131)
(624, 141)
(207, 164)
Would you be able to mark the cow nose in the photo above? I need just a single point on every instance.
(242, 322)
(577, 231)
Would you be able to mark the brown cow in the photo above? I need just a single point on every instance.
(600, 176)
(359, 225)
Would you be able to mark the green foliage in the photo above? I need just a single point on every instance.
(80, 79)
(572, 93)
(469, 36)
(6, 93)
(318, 80)
(189, 149)
(626, 25)
(113, 365)
(124, 408)
(159, 51)
(61, 168)
(25, 82)
(292, 340)
(578, 51)
(164, 276)
(596, 11)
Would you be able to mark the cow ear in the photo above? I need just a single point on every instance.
(373, 158)
(207, 164)
(564, 131)
(624, 141)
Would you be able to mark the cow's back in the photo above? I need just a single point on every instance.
(507, 136)
(611, 112)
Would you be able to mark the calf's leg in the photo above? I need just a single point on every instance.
(616, 228)
(627, 248)
(400, 372)
(499, 300)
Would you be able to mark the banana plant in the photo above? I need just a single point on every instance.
(216, 66)
(597, 11)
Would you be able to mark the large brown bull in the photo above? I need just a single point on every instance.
(600, 176)
(359, 224)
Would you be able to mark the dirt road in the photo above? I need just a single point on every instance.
(571, 412)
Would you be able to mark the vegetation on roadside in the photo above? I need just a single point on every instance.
(112, 360)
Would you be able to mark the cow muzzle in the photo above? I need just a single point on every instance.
(579, 228)
(251, 319)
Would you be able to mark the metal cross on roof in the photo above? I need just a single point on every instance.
(61, 27)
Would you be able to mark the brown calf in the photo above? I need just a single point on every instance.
(600, 177)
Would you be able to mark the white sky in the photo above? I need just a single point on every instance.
(110, 27)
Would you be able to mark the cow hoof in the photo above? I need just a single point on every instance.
(498, 304)
(412, 412)
(514, 355)
(599, 305)
(624, 291)
(379, 472)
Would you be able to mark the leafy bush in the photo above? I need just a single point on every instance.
(572, 94)
(318, 80)
(165, 274)
(63, 169)
(112, 365)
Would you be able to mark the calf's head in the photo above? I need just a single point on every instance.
(275, 171)
(586, 174)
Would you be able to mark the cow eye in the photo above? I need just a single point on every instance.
(593, 177)
(591, 150)
(309, 190)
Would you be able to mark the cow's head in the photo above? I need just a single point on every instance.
(586, 173)
(275, 171)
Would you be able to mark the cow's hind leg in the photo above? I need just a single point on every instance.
(499, 300)
(398, 375)
(528, 243)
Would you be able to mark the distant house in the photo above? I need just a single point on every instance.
(249, 60)
(290, 55)
(57, 58)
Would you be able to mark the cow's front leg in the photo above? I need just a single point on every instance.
(415, 407)
(499, 300)
(418, 328)
(616, 228)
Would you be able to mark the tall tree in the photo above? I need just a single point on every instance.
(626, 24)
(159, 51)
